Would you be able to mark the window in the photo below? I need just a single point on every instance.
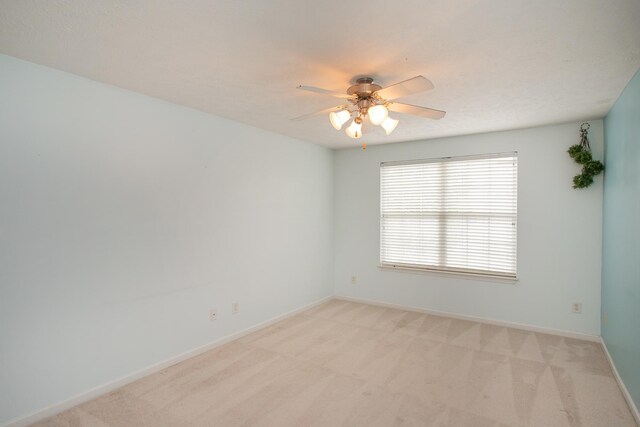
(456, 214)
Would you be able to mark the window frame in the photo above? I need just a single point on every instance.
(443, 270)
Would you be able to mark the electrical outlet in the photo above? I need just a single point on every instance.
(354, 280)
(213, 314)
(235, 308)
(576, 307)
(605, 318)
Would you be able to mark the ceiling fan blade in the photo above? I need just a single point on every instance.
(407, 87)
(319, 113)
(325, 92)
(429, 113)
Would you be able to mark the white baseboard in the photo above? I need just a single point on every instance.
(623, 388)
(134, 376)
(551, 331)
(119, 382)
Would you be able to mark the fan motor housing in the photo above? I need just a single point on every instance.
(363, 88)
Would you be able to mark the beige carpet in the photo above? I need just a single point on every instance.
(350, 364)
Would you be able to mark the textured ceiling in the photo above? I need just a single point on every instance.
(495, 64)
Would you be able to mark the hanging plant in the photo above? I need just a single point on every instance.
(581, 153)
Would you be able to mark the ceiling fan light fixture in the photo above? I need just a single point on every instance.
(389, 125)
(339, 118)
(354, 130)
(378, 114)
(368, 99)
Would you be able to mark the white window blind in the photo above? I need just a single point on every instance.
(453, 214)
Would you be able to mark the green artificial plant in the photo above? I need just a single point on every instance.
(581, 153)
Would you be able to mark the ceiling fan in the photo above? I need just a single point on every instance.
(367, 99)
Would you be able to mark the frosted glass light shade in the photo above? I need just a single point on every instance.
(389, 125)
(339, 118)
(378, 114)
(355, 130)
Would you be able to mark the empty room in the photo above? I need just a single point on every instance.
(320, 213)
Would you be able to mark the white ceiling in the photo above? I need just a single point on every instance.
(495, 64)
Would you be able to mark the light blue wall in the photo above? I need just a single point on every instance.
(124, 219)
(621, 237)
(558, 263)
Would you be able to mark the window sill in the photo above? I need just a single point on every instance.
(446, 273)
